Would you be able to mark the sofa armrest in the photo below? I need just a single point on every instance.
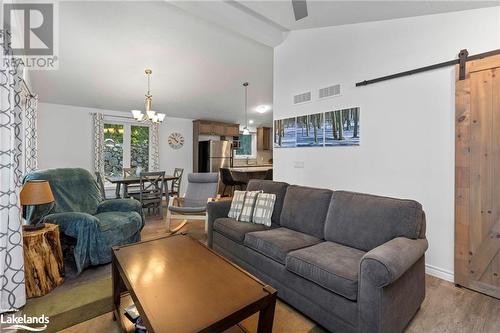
(118, 205)
(67, 221)
(387, 262)
(391, 285)
(121, 205)
(215, 210)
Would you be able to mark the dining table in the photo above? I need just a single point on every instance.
(126, 181)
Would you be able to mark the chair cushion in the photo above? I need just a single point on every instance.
(365, 221)
(333, 266)
(269, 186)
(187, 210)
(276, 243)
(236, 230)
(305, 209)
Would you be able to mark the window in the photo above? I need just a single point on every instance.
(125, 146)
(248, 146)
(113, 149)
(139, 147)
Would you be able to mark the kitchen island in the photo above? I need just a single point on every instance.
(246, 172)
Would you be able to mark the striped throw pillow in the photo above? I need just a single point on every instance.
(248, 206)
(264, 206)
(236, 204)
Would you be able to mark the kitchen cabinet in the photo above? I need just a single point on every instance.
(264, 138)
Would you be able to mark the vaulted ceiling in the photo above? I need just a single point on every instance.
(200, 51)
(198, 67)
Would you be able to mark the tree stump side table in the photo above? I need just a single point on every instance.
(43, 260)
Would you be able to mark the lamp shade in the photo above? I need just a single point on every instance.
(36, 192)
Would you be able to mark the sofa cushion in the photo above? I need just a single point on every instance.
(333, 266)
(305, 209)
(269, 186)
(366, 221)
(276, 243)
(236, 230)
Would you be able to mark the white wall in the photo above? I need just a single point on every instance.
(407, 124)
(65, 139)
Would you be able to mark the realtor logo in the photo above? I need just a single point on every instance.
(29, 35)
(34, 24)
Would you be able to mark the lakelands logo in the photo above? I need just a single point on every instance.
(30, 34)
(24, 322)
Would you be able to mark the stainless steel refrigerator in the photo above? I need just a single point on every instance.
(213, 155)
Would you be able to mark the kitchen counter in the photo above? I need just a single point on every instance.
(251, 168)
(247, 172)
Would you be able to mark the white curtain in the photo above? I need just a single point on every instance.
(98, 134)
(30, 133)
(12, 292)
(155, 148)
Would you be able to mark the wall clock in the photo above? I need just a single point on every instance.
(176, 140)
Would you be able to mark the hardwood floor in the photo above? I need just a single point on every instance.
(446, 308)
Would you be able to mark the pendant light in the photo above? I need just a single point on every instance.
(149, 116)
(246, 131)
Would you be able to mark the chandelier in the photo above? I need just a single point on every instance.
(149, 116)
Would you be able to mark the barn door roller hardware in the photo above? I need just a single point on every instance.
(463, 57)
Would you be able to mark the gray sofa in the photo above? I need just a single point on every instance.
(352, 262)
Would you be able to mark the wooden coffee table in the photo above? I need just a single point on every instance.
(179, 285)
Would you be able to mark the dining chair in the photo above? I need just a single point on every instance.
(193, 206)
(228, 180)
(129, 190)
(100, 183)
(176, 183)
(151, 187)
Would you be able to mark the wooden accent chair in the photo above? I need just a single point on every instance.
(193, 206)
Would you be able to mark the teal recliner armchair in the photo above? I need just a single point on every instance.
(81, 213)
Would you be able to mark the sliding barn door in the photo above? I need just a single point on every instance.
(477, 177)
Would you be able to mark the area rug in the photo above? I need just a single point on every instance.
(74, 305)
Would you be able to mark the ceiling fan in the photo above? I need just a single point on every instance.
(299, 9)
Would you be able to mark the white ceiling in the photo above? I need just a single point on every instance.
(200, 51)
(331, 13)
(198, 68)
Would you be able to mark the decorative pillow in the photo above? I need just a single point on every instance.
(264, 206)
(248, 206)
(236, 204)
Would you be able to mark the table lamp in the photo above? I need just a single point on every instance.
(34, 193)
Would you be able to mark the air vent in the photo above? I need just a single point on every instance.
(302, 98)
(329, 91)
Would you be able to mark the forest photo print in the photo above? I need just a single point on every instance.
(329, 129)
(285, 133)
(342, 127)
(310, 130)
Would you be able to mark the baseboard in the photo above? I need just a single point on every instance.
(439, 273)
